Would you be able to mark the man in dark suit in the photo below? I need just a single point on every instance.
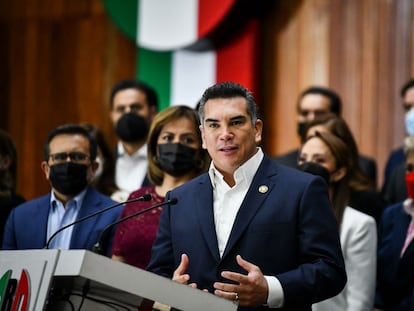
(69, 165)
(249, 230)
(317, 101)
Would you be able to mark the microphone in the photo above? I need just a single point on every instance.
(100, 247)
(145, 197)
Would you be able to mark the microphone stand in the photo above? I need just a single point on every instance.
(100, 246)
(145, 197)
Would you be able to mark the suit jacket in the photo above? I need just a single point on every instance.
(368, 165)
(26, 227)
(396, 190)
(285, 226)
(359, 246)
(395, 158)
(395, 274)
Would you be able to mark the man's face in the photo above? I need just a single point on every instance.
(228, 133)
(408, 100)
(131, 100)
(66, 143)
(311, 106)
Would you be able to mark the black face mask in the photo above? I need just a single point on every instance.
(315, 169)
(68, 178)
(132, 128)
(176, 159)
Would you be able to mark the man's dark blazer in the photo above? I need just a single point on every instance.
(285, 226)
(396, 190)
(367, 164)
(26, 227)
(395, 276)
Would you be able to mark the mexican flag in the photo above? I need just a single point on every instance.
(165, 29)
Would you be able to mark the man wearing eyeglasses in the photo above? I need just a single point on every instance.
(69, 165)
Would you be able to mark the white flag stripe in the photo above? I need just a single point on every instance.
(192, 73)
(167, 24)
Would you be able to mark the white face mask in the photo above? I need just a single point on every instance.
(409, 122)
(99, 170)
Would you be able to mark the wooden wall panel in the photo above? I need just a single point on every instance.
(62, 59)
(361, 49)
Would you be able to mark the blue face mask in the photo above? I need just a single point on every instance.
(409, 122)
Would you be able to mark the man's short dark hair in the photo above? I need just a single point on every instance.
(229, 90)
(151, 94)
(408, 85)
(70, 129)
(335, 102)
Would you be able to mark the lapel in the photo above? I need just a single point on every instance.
(39, 217)
(81, 231)
(402, 221)
(252, 202)
(204, 209)
(408, 256)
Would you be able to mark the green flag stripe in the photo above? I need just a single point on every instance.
(155, 68)
(124, 14)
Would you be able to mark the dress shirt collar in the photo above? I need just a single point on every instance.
(78, 199)
(244, 173)
(140, 153)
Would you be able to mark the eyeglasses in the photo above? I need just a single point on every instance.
(61, 157)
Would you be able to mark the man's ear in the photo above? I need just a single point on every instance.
(45, 168)
(202, 137)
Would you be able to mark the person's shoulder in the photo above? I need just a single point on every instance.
(396, 155)
(367, 160)
(41, 201)
(193, 184)
(356, 217)
(141, 191)
(278, 170)
(289, 158)
(100, 198)
(393, 209)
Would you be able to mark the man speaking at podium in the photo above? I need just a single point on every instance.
(69, 165)
(250, 230)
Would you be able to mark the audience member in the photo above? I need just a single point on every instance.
(394, 189)
(363, 196)
(104, 178)
(175, 156)
(315, 102)
(395, 274)
(357, 231)
(69, 165)
(250, 230)
(133, 105)
(397, 157)
(8, 175)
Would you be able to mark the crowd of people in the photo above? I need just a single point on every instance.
(304, 230)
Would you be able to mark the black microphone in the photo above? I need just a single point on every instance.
(100, 247)
(145, 197)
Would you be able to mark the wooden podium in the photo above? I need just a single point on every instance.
(81, 280)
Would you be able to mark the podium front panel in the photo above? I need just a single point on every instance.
(38, 265)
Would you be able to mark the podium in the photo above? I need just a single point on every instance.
(82, 280)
